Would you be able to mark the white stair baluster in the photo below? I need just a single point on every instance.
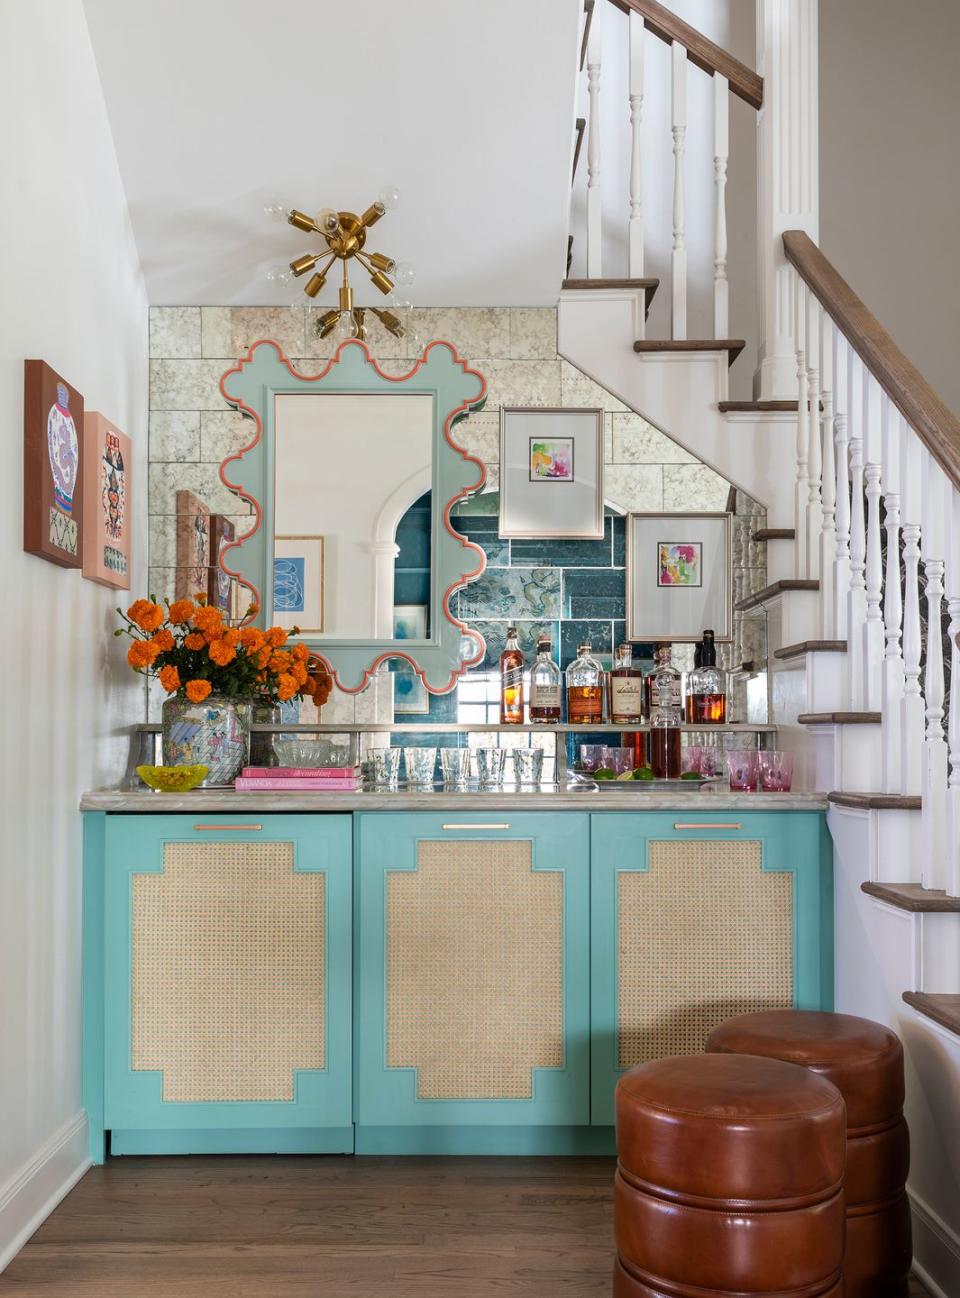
(678, 265)
(636, 29)
(721, 150)
(594, 198)
(841, 567)
(892, 677)
(934, 779)
(828, 479)
(802, 490)
(911, 713)
(857, 594)
(952, 862)
(873, 571)
(814, 454)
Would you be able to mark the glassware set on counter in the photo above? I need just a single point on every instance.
(489, 766)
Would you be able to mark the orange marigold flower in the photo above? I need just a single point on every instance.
(300, 652)
(263, 657)
(221, 652)
(276, 636)
(252, 639)
(208, 619)
(136, 608)
(286, 687)
(280, 662)
(169, 678)
(163, 639)
(299, 674)
(198, 690)
(182, 610)
(148, 616)
(142, 653)
(194, 640)
(231, 635)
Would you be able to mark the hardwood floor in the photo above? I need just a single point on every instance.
(306, 1227)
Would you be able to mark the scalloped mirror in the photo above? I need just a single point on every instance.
(338, 463)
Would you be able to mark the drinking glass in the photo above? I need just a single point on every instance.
(490, 765)
(708, 761)
(742, 768)
(591, 756)
(691, 759)
(421, 764)
(776, 771)
(617, 759)
(455, 765)
(384, 767)
(528, 765)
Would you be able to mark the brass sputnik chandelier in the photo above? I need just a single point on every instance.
(345, 236)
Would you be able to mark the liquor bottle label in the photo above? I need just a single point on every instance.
(544, 696)
(656, 713)
(625, 696)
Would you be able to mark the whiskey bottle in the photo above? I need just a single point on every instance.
(691, 679)
(626, 688)
(584, 689)
(707, 686)
(511, 681)
(665, 717)
(545, 685)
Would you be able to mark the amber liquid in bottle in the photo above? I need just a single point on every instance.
(511, 682)
(584, 704)
(709, 708)
(665, 753)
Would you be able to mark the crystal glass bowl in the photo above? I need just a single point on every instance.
(172, 779)
(305, 752)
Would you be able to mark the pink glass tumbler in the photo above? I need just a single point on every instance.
(776, 771)
(742, 769)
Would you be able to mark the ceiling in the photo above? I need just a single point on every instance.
(219, 107)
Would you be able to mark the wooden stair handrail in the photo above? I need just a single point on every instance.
(702, 52)
(926, 413)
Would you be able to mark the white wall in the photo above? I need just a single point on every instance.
(73, 296)
(889, 183)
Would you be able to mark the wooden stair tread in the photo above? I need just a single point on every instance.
(732, 346)
(942, 1007)
(648, 285)
(839, 719)
(877, 802)
(776, 588)
(811, 647)
(775, 534)
(728, 407)
(910, 896)
(578, 145)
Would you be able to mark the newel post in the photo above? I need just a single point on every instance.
(787, 175)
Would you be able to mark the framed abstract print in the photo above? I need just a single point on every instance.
(679, 576)
(219, 587)
(410, 697)
(107, 501)
(298, 583)
(551, 473)
(410, 621)
(193, 545)
(52, 467)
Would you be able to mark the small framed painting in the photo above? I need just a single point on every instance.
(222, 533)
(193, 545)
(679, 576)
(409, 692)
(409, 621)
(52, 467)
(107, 462)
(298, 582)
(551, 473)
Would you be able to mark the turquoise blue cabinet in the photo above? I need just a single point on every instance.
(472, 1013)
(225, 981)
(696, 918)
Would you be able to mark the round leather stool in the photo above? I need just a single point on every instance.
(864, 1060)
(729, 1180)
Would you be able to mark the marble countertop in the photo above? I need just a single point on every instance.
(708, 799)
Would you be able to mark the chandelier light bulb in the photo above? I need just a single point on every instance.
(404, 274)
(328, 220)
(276, 211)
(389, 197)
(279, 275)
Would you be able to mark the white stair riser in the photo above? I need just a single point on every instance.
(848, 757)
(792, 616)
(781, 557)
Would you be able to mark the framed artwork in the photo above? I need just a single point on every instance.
(679, 576)
(107, 501)
(409, 692)
(52, 467)
(551, 473)
(222, 533)
(298, 582)
(409, 621)
(193, 545)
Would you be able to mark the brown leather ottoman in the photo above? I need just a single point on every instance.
(729, 1180)
(864, 1060)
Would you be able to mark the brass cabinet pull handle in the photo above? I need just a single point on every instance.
(225, 827)
(469, 826)
(706, 824)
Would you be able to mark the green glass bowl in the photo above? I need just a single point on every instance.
(172, 779)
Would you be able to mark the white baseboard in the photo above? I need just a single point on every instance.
(936, 1249)
(29, 1196)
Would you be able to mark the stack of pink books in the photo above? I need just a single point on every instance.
(297, 779)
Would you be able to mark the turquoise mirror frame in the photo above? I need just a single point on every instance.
(251, 387)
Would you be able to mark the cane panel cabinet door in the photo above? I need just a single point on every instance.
(227, 983)
(473, 981)
(695, 919)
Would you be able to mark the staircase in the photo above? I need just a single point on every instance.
(857, 462)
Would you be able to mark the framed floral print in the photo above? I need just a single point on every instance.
(107, 501)
(551, 473)
(679, 576)
(52, 466)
